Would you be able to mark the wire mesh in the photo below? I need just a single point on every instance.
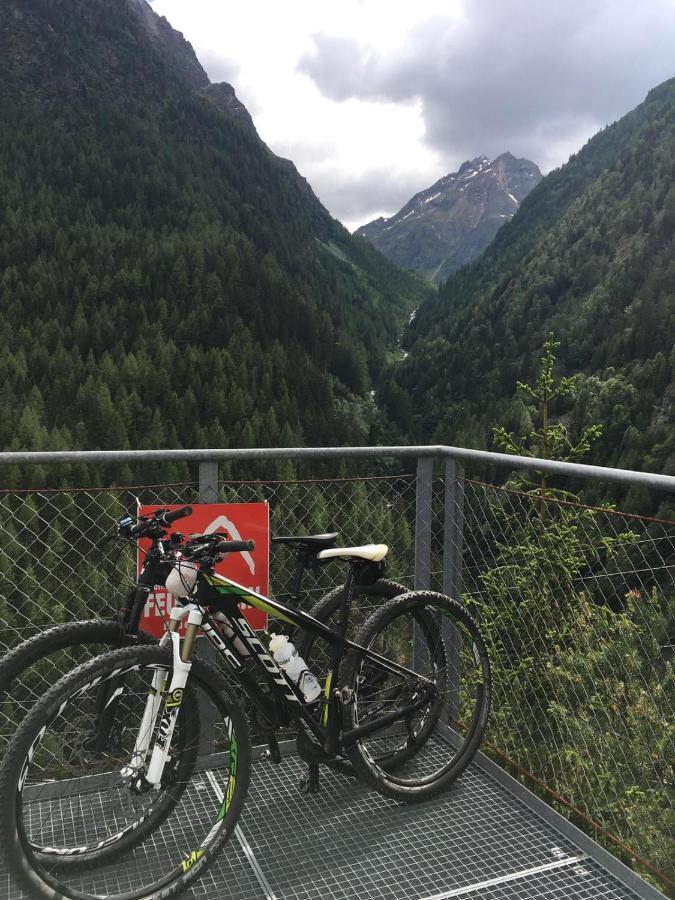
(57, 561)
(577, 604)
(58, 565)
(362, 510)
(60, 560)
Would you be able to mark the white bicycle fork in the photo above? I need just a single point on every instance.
(172, 698)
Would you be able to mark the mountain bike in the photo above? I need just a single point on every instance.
(395, 710)
(31, 668)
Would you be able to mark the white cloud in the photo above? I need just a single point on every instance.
(333, 144)
(376, 99)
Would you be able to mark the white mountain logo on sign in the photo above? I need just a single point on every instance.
(229, 526)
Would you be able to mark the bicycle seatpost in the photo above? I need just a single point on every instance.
(332, 741)
(300, 568)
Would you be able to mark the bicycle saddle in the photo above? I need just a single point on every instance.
(309, 541)
(371, 552)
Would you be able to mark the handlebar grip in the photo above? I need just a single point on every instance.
(177, 514)
(138, 530)
(234, 546)
(161, 519)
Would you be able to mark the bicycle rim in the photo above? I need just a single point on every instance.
(31, 669)
(366, 601)
(435, 739)
(92, 803)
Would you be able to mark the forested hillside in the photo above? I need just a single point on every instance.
(165, 280)
(589, 255)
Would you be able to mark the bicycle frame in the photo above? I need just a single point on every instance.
(285, 700)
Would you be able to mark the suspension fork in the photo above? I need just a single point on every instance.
(172, 696)
(152, 705)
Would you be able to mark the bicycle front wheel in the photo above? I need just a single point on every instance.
(429, 688)
(63, 797)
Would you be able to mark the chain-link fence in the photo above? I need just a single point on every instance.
(362, 510)
(61, 560)
(577, 603)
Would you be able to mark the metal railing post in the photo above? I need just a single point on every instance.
(423, 485)
(453, 530)
(208, 482)
(208, 493)
(453, 538)
(423, 498)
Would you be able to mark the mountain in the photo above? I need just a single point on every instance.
(450, 223)
(160, 268)
(589, 255)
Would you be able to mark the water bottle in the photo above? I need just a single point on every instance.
(295, 667)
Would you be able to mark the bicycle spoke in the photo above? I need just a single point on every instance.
(89, 824)
(432, 705)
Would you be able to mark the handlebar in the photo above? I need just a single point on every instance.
(201, 548)
(154, 526)
(141, 529)
(181, 513)
(205, 548)
(234, 546)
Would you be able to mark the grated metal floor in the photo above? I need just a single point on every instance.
(477, 841)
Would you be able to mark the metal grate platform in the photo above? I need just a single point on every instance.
(477, 840)
(486, 838)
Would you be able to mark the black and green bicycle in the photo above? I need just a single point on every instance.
(29, 669)
(134, 796)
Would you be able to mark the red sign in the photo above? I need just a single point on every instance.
(240, 522)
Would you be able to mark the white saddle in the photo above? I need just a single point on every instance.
(371, 552)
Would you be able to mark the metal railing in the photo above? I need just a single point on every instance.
(577, 601)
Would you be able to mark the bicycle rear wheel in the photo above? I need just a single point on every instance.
(61, 802)
(367, 600)
(31, 668)
(440, 703)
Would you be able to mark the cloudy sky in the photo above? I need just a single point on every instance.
(374, 100)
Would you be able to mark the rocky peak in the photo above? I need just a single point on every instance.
(451, 222)
(172, 42)
(223, 96)
(472, 166)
